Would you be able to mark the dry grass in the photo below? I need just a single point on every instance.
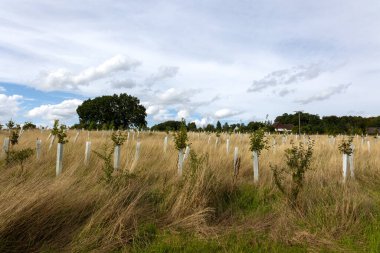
(79, 212)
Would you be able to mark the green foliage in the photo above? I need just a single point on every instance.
(118, 138)
(19, 156)
(117, 112)
(196, 163)
(258, 141)
(180, 137)
(144, 236)
(60, 132)
(218, 126)
(62, 135)
(106, 156)
(29, 125)
(55, 129)
(192, 127)
(298, 161)
(13, 138)
(10, 124)
(167, 126)
(345, 145)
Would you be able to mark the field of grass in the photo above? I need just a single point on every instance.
(147, 207)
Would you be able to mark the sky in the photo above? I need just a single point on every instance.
(204, 61)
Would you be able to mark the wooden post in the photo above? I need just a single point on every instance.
(58, 167)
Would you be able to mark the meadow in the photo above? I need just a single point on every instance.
(145, 206)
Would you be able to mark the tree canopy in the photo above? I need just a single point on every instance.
(118, 111)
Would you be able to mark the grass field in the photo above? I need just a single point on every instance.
(147, 207)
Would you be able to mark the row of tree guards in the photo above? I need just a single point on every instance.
(258, 142)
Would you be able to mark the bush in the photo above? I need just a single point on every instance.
(298, 160)
(180, 137)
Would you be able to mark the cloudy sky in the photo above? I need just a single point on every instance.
(202, 60)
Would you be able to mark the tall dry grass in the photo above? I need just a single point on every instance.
(78, 211)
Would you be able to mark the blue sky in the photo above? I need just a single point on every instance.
(201, 60)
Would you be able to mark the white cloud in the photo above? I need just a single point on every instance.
(209, 51)
(164, 72)
(284, 92)
(162, 115)
(203, 122)
(175, 96)
(120, 84)
(152, 109)
(64, 111)
(183, 114)
(9, 106)
(65, 79)
(287, 76)
(224, 113)
(2, 89)
(326, 94)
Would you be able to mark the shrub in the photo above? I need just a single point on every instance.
(298, 161)
(180, 137)
(106, 156)
(60, 132)
(258, 142)
(118, 138)
(346, 146)
(19, 156)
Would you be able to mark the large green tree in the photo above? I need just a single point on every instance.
(118, 111)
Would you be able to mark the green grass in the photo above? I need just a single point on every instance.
(187, 243)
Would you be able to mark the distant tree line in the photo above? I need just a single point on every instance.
(310, 124)
(333, 125)
(172, 125)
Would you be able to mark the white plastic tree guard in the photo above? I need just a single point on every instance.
(255, 160)
(76, 137)
(6, 144)
(87, 152)
(236, 154)
(180, 162)
(58, 166)
(116, 157)
(51, 142)
(38, 148)
(165, 143)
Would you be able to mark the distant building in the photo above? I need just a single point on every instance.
(373, 130)
(283, 128)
